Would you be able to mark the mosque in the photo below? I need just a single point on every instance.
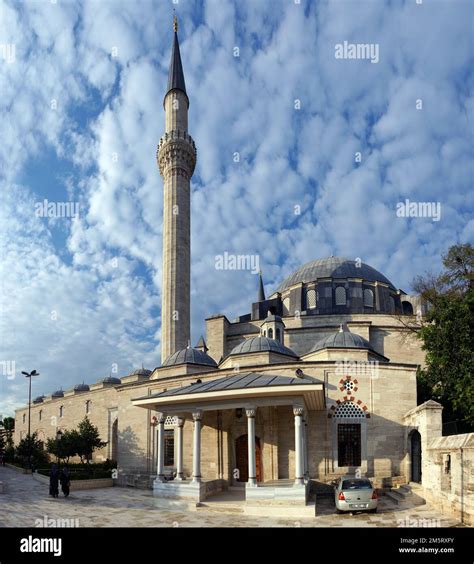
(311, 383)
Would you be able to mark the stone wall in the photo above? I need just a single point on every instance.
(447, 476)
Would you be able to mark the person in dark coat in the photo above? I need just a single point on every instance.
(54, 481)
(65, 481)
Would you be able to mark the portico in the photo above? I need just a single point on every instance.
(236, 395)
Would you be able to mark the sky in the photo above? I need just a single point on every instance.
(301, 155)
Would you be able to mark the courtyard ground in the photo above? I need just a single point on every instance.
(25, 502)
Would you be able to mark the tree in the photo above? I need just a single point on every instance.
(2, 444)
(30, 449)
(65, 448)
(447, 336)
(8, 424)
(89, 440)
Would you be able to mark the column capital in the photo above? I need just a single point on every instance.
(161, 417)
(197, 415)
(250, 411)
(298, 411)
(180, 421)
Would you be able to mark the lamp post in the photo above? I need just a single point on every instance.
(29, 375)
(59, 435)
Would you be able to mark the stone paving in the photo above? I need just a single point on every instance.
(25, 501)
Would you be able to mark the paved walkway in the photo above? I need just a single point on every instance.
(25, 503)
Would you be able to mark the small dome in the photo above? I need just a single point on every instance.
(190, 356)
(342, 339)
(109, 380)
(272, 317)
(38, 399)
(262, 344)
(141, 372)
(81, 388)
(57, 394)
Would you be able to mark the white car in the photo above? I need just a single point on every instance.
(355, 494)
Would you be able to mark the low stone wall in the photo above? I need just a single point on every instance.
(188, 491)
(277, 495)
(18, 469)
(77, 485)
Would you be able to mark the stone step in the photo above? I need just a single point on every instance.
(403, 499)
(219, 507)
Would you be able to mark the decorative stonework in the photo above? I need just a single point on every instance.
(298, 411)
(197, 415)
(176, 154)
(251, 412)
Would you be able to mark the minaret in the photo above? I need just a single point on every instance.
(176, 157)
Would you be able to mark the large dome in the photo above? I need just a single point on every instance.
(333, 267)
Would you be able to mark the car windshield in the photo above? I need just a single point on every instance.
(356, 485)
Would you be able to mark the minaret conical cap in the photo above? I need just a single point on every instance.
(175, 73)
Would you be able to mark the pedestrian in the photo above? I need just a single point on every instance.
(54, 481)
(65, 481)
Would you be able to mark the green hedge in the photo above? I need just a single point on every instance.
(81, 474)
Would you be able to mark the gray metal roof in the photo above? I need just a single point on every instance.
(38, 399)
(109, 380)
(190, 356)
(237, 382)
(141, 372)
(342, 340)
(262, 344)
(333, 267)
(57, 394)
(175, 74)
(81, 387)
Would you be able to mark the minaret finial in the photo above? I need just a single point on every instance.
(175, 23)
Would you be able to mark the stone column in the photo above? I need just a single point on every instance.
(252, 479)
(197, 416)
(298, 413)
(160, 476)
(306, 466)
(179, 462)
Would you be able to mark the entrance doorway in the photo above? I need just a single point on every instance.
(242, 459)
(415, 456)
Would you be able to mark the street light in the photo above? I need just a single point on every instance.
(29, 375)
(59, 435)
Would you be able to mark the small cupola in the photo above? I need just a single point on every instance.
(273, 328)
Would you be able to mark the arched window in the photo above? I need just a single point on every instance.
(88, 406)
(278, 336)
(310, 299)
(340, 295)
(61, 411)
(348, 419)
(270, 333)
(24, 417)
(391, 304)
(407, 308)
(40, 414)
(286, 306)
(368, 298)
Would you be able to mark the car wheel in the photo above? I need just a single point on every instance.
(373, 510)
(339, 511)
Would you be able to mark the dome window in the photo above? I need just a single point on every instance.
(340, 296)
(310, 299)
(368, 298)
(270, 333)
(391, 304)
(278, 335)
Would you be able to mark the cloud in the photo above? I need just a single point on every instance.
(87, 87)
